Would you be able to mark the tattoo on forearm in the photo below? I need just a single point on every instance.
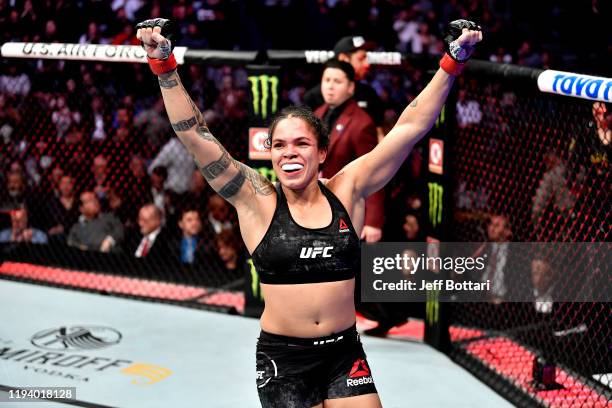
(232, 187)
(184, 125)
(212, 170)
(413, 104)
(167, 75)
(167, 83)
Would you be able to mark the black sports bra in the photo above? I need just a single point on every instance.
(290, 253)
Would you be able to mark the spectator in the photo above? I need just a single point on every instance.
(179, 165)
(468, 110)
(412, 228)
(153, 242)
(75, 155)
(38, 161)
(127, 36)
(354, 51)
(352, 134)
(92, 36)
(499, 269)
(63, 210)
(137, 188)
(20, 232)
(553, 189)
(15, 83)
(229, 249)
(193, 38)
(542, 279)
(99, 120)
(603, 122)
(63, 116)
(15, 194)
(199, 193)
(152, 125)
(527, 56)
(158, 180)
(501, 56)
(219, 214)
(130, 7)
(99, 180)
(407, 28)
(95, 231)
(192, 248)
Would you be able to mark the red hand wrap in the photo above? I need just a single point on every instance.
(451, 66)
(159, 66)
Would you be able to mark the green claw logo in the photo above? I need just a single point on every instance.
(268, 173)
(442, 117)
(432, 307)
(255, 289)
(264, 87)
(436, 194)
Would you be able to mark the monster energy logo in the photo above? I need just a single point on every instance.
(255, 288)
(432, 307)
(262, 93)
(270, 174)
(436, 193)
(442, 117)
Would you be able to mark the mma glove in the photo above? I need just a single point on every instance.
(167, 62)
(456, 55)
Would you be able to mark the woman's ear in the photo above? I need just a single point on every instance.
(322, 155)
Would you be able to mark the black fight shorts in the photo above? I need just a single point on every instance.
(297, 372)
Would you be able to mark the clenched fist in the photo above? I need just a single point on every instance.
(155, 36)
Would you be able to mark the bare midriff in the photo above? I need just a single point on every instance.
(309, 309)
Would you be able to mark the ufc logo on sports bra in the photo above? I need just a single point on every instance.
(313, 252)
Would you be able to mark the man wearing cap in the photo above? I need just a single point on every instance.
(351, 134)
(353, 49)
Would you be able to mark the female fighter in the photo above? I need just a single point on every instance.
(303, 233)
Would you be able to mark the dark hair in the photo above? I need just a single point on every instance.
(343, 66)
(229, 238)
(315, 124)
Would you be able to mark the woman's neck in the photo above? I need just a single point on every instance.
(305, 197)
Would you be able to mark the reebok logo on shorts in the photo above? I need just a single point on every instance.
(342, 227)
(359, 374)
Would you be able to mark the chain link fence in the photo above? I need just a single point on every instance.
(532, 167)
(85, 148)
(89, 167)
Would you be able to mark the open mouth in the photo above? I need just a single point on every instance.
(292, 167)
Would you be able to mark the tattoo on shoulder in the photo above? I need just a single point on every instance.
(185, 125)
(413, 104)
(260, 184)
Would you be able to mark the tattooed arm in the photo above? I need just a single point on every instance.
(234, 181)
(370, 172)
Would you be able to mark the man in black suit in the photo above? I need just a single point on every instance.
(152, 243)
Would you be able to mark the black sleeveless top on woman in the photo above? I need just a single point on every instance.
(290, 253)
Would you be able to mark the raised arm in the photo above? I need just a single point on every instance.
(372, 171)
(234, 181)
